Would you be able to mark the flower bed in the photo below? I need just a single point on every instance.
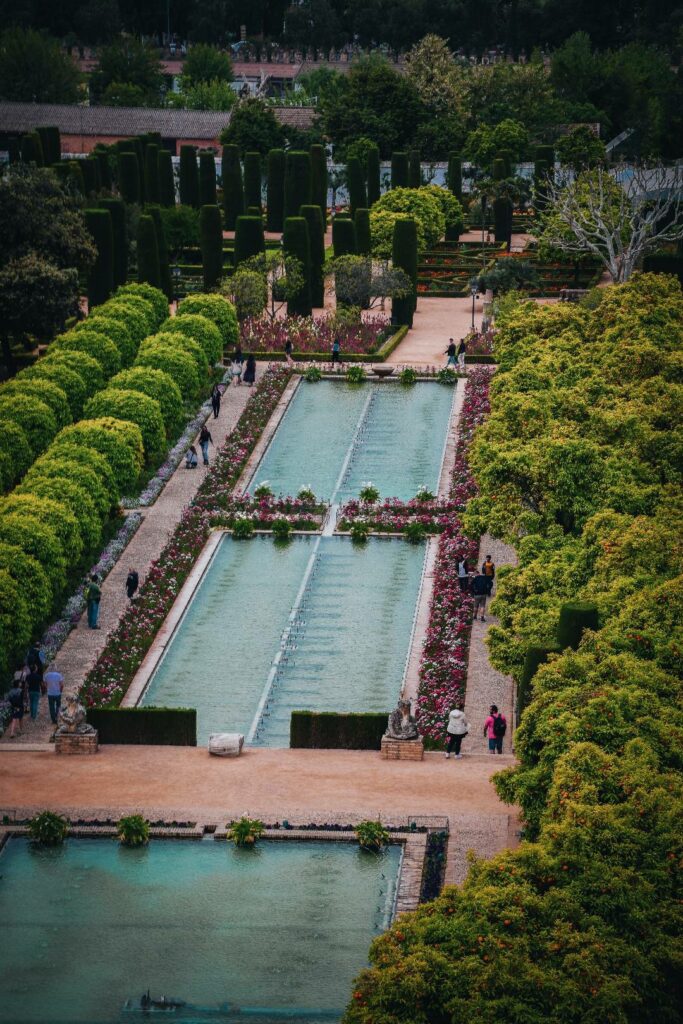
(126, 646)
(308, 334)
(223, 508)
(393, 515)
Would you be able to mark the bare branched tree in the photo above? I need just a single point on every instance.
(617, 215)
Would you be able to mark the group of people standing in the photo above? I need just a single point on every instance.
(30, 684)
(243, 371)
(458, 727)
(478, 583)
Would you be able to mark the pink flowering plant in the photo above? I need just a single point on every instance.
(313, 334)
(393, 515)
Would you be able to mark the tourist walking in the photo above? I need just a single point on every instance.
(463, 575)
(34, 686)
(336, 351)
(489, 571)
(191, 461)
(461, 353)
(216, 400)
(457, 729)
(92, 597)
(54, 685)
(249, 375)
(204, 440)
(450, 352)
(480, 592)
(495, 728)
(289, 348)
(236, 369)
(132, 583)
(16, 698)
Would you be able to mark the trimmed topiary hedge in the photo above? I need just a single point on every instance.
(233, 188)
(117, 212)
(217, 309)
(328, 730)
(355, 183)
(115, 329)
(414, 169)
(29, 574)
(129, 178)
(164, 265)
(33, 416)
(157, 385)
(211, 245)
(343, 237)
(189, 177)
(39, 540)
(166, 179)
(88, 457)
(373, 174)
(74, 498)
(297, 182)
(135, 408)
(15, 622)
(45, 391)
(533, 659)
(316, 233)
(101, 273)
(151, 173)
(119, 441)
(149, 264)
(175, 727)
(249, 238)
(15, 452)
(153, 296)
(399, 170)
(131, 312)
(252, 180)
(94, 344)
(275, 190)
(575, 617)
(87, 368)
(184, 344)
(454, 175)
(361, 223)
(174, 361)
(295, 242)
(51, 511)
(64, 377)
(405, 258)
(199, 329)
(207, 179)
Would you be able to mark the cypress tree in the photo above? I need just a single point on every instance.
(295, 242)
(102, 157)
(355, 183)
(297, 182)
(233, 190)
(151, 173)
(164, 264)
(252, 180)
(189, 177)
(211, 242)
(374, 187)
(166, 182)
(313, 216)
(319, 179)
(51, 144)
(275, 197)
(117, 211)
(90, 169)
(414, 169)
(101, 273)
(129, 178)
(32, 149)
(249, 239)
(502, 219)
(405, 258)
(75, 176)
(343, 237)
(506, 156)
(149, 269)
(454, 178)
(207, 179)
(134, 145)
(399, 170)
(363, 236)
(498, 169)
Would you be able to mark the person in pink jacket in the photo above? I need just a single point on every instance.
(495, 727)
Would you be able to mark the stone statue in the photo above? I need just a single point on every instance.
(72, 718)
(401, 724)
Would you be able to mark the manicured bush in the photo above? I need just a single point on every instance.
(343, 237)
(75, 176)
(533, 659)
(15, 452)
(149, 265)
(199, 329)
(414, 169)
(151, 165)
(454, 176)
(178, 364)
(45, 391)
(33, 416)
(233, 189)
(507, 156)
(51, 510)
(189, 177)
(51, 144)
(129, 178)
(73, 497)
(94, 460)
(316, 233)
(502, 219)
(136, 408)
(405, 258)
(329, 730)
(153, 296)
(185, 344)
(319, 179)
(373, 174)
(115, 330)
(173, 727)
(498, 169)
(361, 222)
(217, 309)
(275, 190)
(101, 154)
(166, 179)
(297, 182)
(132, 313)
(93, 344)
(164, 265)
(157, 385)
(119, 441)
(48, 829)
(249, 238)
(70, 382)
(575, 618)
(211, 244)
(31, 149)
(207, 179)
(454, 215)
(16, 623)
(295, 242)
(35, 538)
(399, 170)
(117, 211)
(90, 169)
(419, 203)
(252, 180)
(58, 463)
(355, 183)
(87, 368)
(29, 575)
(101, 272)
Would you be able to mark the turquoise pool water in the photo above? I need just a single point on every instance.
(90, 925)
(334, 436)
(319, 624)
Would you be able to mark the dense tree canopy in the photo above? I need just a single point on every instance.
(34, 69)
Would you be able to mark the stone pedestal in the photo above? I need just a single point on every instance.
(402, 750)
(226, 744)
(76, 743)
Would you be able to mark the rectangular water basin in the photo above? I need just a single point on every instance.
(89, 925)
(319, 624)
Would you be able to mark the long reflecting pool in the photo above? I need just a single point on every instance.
(319, 624)
(285, 926)
(334, 436)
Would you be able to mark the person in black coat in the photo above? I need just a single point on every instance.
(249, 375)
(132, 583)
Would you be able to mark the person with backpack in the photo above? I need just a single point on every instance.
(489, 571)
(480, 592)
(495, 728)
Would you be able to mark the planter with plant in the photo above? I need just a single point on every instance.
(355, 374)
(242, 528)
(407, 375)
(371, 835)
(133, 830)
(368, 493)
(282, 529)
(48, 829)
(245, 831)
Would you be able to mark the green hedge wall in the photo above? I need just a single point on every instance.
(172, 727)
(319, 179)
(296, 242)
(117, 211)
(101, 273)
(316, 233)
(414, 169)
(454, 177)
(166, 180)
(233, 188)
(211, 243)
(129, 178)
(252, 180)
(275, 194)
(405, 257)
(207, 179)
(355, 183)
(328, 730)
(249, 238)
(149, 264)
(152, 189)
(297, 182)
(189, 177)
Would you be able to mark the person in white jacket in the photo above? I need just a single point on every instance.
(457, 729)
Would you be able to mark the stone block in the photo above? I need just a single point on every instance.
(402, 750)
(226, 744)
(76, 743)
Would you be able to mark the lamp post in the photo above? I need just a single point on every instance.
(473, 289)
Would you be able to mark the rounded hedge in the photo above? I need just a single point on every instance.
(33, 416)
(118, 440)
(53, 512)
(135, 321)
(44, 391)
(32, 579)
(217, 309)
(135, 408)
(6, 472)
(150, 294)
(39, 540)
(178, 364)
(64, 377)
(87, 368)
(58, 465)
(114, 329)
(75, 498)
(15, 621)
(451, 208)
(197, 328)
(143, 306)
(15, 448)
(85, 457)
(417, 203)
(184, 344)
(93, 344)
(157, 385)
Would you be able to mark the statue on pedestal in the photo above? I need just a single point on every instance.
(71, 719)
(401, 724)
